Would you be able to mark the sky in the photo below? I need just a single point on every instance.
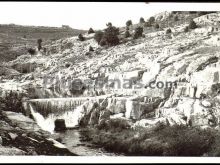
(83, 15)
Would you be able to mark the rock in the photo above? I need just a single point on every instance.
(12, 135)
(132, 110)
(206, 104)
(60, 125)
(116, 106)
(119, 115)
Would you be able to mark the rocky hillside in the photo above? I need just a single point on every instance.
(191, 59)
(15, 39)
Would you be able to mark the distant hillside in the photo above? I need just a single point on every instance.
(14, 39)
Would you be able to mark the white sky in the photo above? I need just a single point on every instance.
(83, 15)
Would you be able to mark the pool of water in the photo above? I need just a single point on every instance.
(72, 139)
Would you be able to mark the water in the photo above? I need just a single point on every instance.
(72, 139)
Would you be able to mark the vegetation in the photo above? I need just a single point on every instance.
(192, 25)
(156, 26)
(108, 37)
(39, 42)
(142, 20)
(98, 36)
(91, 49)
(91, 31)
(151, 20)
(128, 23)
(31, 51)
(118, 137)
(127, 34)
(168, 31)
(138, 32)
(176, 18)
(186, 29)
(12, 101)
(81, 38)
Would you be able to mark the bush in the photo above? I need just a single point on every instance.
(147, 24)
(156, 26)
(31, 51)
(151, 20)
(110, 36)
(98, 36)
(192, 25)
(142, 20)
(176, 18)
(12, 101)
(186, 29)
(39, 42)
(128, 23)
(138, 32)
(168, 31)
(81, 38)
(91, 49)
(91, 31)
(127, 34)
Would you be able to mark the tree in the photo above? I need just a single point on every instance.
(39, 42)
(98, 36)
(138, 32)
(142, 20)
(128, 23)
(81, 38)
(91, 31)
(147, 24)
(192, 25)
(109, 24)
(151, 20)
(111, 35)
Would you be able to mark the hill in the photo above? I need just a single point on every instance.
(15, 39)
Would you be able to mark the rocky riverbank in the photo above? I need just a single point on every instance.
(20, 135)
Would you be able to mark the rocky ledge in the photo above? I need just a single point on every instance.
(20, 135)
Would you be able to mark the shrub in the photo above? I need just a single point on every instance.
(192, 25)
(98, 36)
(12, 101)
(127, 34)
(142, 20)
(138, 32)
(31, 51)
(168, 31)
(128, 23)
(151, 20)
(39, 42)
(91, 49)
(91, 31)
(186, 29)
(103, 42)
(156, 26)
(111, 36)
(81, 38)
(147, 24)
(176, 18)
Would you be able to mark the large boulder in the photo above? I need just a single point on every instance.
(60, 125)
(116, 105)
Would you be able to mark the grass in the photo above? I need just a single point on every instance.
(160, 141)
